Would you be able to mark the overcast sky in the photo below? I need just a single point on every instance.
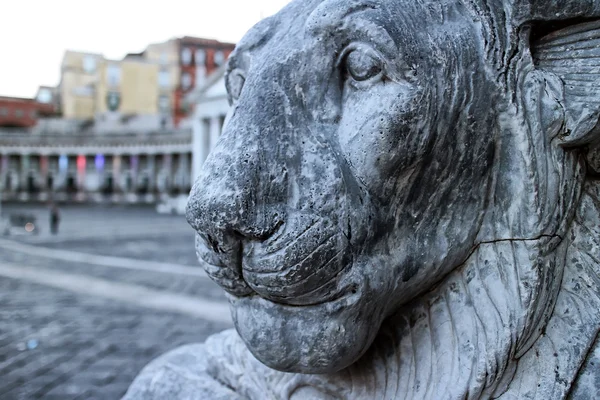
(34, 34)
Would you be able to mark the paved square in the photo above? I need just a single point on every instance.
(83, 311)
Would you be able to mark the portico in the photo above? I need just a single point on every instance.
(130, 168)
(210, 110)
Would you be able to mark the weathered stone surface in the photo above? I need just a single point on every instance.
(404, 204)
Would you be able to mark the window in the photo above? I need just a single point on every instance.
(3, 111)
(200, 57)
(113, 75)
(19, 113)
(219, 58)
(33, 114)
(200, 75)
(83, 91)
(164, 57)
(186, 56)
(164, 104)
(44, 96)
(164, 79)
(186, 80)
(89, 64)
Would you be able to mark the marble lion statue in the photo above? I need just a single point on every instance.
(404, 204)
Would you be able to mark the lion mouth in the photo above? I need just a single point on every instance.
(294, 266)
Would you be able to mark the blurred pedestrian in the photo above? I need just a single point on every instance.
(54, 218)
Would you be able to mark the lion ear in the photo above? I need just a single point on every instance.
(573, 54)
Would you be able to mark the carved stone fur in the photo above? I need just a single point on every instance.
(404, 204)
(475, 321)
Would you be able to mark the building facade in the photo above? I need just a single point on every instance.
(93, 87)
(210, 106)
(117, 140)
(153, 82)
(121, 169)
(78, 76)
(16, 112)
(166, 56)
(50, 97)
(198, 59)
(82, 167)
(127, 87)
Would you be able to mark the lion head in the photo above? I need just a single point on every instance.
(383, 156)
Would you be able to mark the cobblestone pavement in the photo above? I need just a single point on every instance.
(61, 344)
(178, 247)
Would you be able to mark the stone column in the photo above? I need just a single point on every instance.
(134, 165)
(151, 168)
(3, 170)
(167, 171)
(116, 168)
(23, 172)
(44, 172)
(197, 146)
(53, 171)
(184, 170)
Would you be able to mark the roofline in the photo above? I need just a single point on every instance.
(206, 41)
(85, 53)
(23, 99)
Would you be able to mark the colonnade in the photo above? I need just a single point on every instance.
(97, 175)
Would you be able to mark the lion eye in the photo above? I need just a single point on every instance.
(363, 65)
(235, 84)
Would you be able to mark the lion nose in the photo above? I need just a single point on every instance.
(238, 196)
(221, 215)
(242, 191)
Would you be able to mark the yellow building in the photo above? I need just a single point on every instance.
(128, 87)
(79, 74)
(140, 84)
(166, 55)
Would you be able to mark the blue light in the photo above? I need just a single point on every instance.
(99, 162)
(63, 163)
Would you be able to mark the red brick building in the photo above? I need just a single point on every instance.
(198, 58)
(16, 112)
